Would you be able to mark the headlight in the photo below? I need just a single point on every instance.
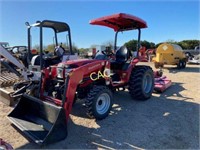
(60, 70)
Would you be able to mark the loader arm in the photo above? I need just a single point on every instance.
(11, 76)
(11, 58)
(75, 77)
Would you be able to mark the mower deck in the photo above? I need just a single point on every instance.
(161, 84)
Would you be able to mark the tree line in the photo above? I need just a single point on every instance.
(185, 44)
(131, 45)
(51, 48)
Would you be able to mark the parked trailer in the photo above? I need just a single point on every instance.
(169, 54)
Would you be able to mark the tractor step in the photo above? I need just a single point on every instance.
(117, 82)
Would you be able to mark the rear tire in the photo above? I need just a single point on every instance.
(99, 102)
(183, 64)
(141, 82)
(180, 64)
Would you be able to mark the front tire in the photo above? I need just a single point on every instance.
(141, 83)
(99, 102)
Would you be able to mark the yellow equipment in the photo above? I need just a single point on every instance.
(170, 54)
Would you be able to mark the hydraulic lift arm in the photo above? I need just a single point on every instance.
(11, 58)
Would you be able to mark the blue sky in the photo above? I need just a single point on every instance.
(176, 20)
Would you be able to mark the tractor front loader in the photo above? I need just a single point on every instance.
(43, 117)
(25, 71)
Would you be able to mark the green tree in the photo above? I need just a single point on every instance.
(109, 43)
(170, 41)
(189, 44)
(50, 48)
(147, 44)
(37, 47)
(158, 44)
(185, 44)
(83, 51)
(74, 48)
(132, 44)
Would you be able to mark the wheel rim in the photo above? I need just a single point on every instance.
(103, 103)
(147, 83)
(180, 64)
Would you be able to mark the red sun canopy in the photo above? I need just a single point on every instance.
(120, 22)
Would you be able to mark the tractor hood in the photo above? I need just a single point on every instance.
(120, 22)
(79, 62)
(86, 65)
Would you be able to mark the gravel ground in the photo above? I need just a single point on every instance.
(167, 121)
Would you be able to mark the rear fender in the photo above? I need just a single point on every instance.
(130, 68)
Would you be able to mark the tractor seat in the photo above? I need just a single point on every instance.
(122, 56)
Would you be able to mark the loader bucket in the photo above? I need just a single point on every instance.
(42, 122)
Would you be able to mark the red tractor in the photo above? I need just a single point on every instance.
(43, 116)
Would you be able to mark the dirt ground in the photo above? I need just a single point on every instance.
(167, 121)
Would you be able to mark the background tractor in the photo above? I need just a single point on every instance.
(43, 115)
(21, 65)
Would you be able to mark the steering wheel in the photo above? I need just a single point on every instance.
(59, 51)
(47, 56)
(107, 53)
